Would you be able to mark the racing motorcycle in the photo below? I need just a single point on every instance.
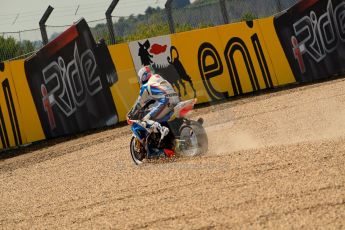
(186, 137)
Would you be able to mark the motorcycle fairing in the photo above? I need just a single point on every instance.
(139, 132)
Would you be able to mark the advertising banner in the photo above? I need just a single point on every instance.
(280, 64)
(216, 63)
(247, 59)
(158, 53)
(31, 124)
(11, 125)
(312, 34)
(70, 80)
(126, 90)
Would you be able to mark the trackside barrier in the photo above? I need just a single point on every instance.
(312, 34)
(10, 115)
(74, 84)
(227, 60)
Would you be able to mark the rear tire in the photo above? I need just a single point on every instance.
(194, 139)
(137, 156)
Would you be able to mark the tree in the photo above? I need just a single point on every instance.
(150, 10)
(26, 47)
(146, 31)
(180, 3)
(10, 48)
(248, 17)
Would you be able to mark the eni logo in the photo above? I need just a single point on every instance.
(215, 68)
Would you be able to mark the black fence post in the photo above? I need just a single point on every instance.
(224, 11)
(110, 20)
(2, 66)
(42, 24)
(168, 10)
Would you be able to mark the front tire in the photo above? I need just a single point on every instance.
(137, 152)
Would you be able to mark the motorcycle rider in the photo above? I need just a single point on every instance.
(154, 88)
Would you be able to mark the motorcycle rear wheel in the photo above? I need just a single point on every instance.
(193, 139)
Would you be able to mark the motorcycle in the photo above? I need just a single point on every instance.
(186, 137)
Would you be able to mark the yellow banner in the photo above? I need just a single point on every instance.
(126, 90)
(31, 123)
(232, 59)
(196, 54)
(11, 123)
(276, 53)
(248, 64)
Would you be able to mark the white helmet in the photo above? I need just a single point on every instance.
(144, 74)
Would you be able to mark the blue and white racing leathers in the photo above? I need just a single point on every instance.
(161, 91)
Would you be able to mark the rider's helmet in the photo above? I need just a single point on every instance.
(144, 74)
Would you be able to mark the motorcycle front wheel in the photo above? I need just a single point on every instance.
(137, 151)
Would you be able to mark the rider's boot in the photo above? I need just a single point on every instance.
(169, 152)
(156, 153)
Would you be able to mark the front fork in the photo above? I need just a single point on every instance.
(137, 144)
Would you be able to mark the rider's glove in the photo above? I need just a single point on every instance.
(143, 124)
(147, 117)
(134, 111)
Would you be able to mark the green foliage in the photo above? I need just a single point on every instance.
(153, 23)
(26, 47)
(204, 25)
(150, 10)
(180, 3)
(145, 31)
(248, 17)
(10, 48)
(182, 27)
